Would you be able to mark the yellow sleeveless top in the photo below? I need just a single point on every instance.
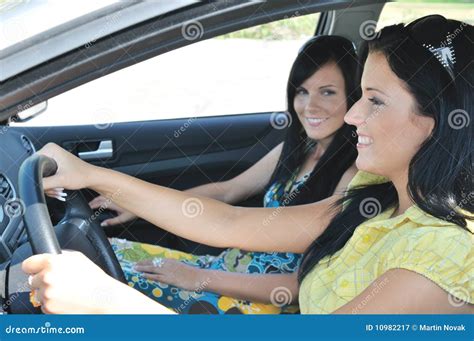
(441, 251)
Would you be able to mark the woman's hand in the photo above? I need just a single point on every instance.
(123, 216)
(70, 283)
(72, 173)
(173, 272)
(62, 286)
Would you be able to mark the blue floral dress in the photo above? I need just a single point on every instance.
(233, 260)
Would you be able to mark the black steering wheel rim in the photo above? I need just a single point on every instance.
(39, 227)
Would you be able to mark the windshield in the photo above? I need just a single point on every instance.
(22, 19)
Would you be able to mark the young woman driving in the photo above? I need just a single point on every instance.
(400, 240)
(316, 159)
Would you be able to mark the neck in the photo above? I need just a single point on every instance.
(404, 201)
(322, 146)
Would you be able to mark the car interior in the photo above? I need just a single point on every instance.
(213, 149)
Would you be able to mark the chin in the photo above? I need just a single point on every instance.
(316, 135)
(367, 165)
(363, 164)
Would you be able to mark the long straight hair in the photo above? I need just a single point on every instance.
(341, 152)
(440, 179)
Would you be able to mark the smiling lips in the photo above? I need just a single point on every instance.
(364, 141)
(315, 122)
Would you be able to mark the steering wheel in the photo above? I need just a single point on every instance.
(78, 230)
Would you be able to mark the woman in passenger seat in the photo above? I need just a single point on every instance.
(315, 160)
(400, 240)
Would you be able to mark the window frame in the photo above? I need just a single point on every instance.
(144, 41)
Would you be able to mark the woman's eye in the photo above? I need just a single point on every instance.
(376, 101)
(327, 92)
(301, 91)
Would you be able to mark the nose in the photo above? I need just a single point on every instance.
(355, 115)
(312, 104)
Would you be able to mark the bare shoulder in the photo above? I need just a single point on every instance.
(346, 179)
(350, 173)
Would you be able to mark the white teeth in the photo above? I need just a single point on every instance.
(316, 120)
(365, 140)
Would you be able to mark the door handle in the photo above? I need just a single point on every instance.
(104, 151)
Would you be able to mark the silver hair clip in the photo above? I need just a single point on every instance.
(445, 54)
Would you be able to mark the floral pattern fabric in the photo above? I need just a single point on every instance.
(232, 260)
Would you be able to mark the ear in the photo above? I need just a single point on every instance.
(425, 123)
(428, 125)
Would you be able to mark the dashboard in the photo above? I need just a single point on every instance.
(14, 149)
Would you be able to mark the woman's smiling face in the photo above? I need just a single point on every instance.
(390, 130)
(320, 102)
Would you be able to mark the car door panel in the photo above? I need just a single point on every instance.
(180, 154)
(158, 151)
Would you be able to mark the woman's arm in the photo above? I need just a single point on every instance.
(281, 289)
(61, 289)
(204, 220)
(401, 291)
(264, 288)
(245, 185)
(208, 221)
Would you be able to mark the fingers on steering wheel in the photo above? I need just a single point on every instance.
(36, 283)
(57, 193)
(36, 263)
(96, 202)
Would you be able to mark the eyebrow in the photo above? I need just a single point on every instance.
(328, 86)
(375, 89)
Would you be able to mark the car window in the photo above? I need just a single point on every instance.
(237, 73)
(406, 11)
